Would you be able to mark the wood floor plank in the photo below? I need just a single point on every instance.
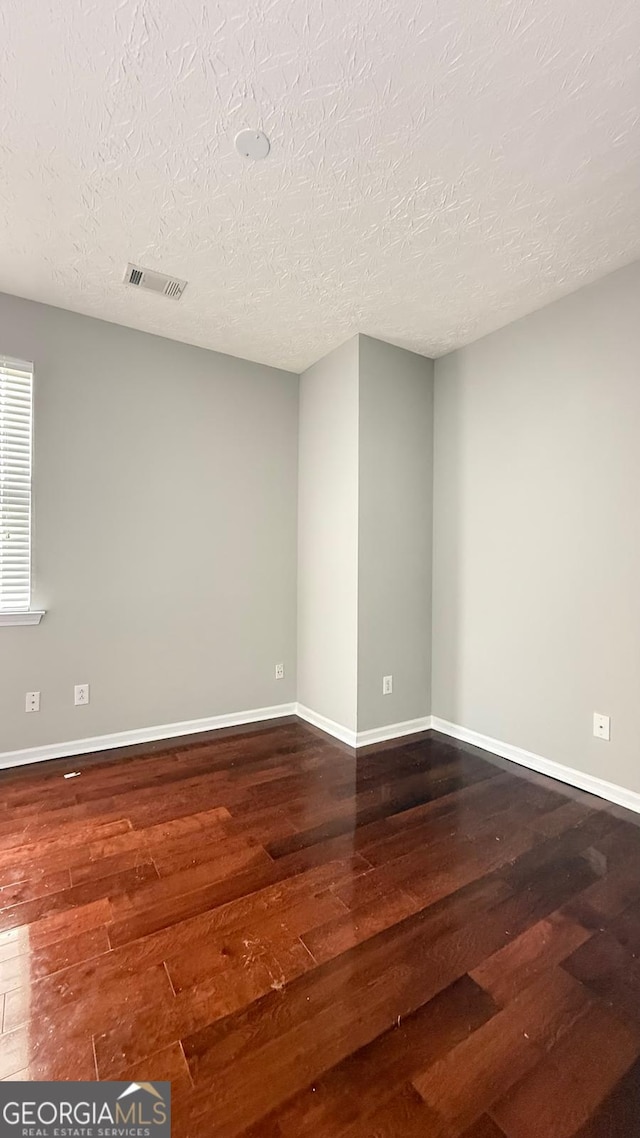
(406, 1113)
(63, 846)
(75, 896)
(65, 953)
(168, 1065)
(519, 963)
(173, 902)
(482, 1068)
(485, 1127)
(87, 994)
(271, 1031)
(31, 1055)
(618, 1114)
(32, 890)
(562, 818)
(609, 970)
(417, 939)
(608, 897)
(345, 929)
(382, 1068)
(96, 868)
(558, 1096)
(53, 927)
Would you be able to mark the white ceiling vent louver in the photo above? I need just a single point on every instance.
(155, 282)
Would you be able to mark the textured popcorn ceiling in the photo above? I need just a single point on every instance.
(438, 168)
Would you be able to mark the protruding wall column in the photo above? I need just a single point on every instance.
(328, 539)
(364, 542)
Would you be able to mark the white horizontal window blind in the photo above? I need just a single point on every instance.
(16, 415)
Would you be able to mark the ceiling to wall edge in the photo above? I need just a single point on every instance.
(213, 351)
(289, 371)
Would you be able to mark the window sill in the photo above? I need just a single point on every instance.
(34, 616)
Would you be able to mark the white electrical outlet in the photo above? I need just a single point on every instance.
(81, 694)
(32, 701)
(601, 726)
(387, 685)
(279, 671)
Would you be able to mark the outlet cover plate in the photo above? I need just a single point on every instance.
(601, 726)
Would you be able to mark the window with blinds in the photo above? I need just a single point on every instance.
(16, 416)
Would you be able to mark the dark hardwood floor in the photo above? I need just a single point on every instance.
(419, 941)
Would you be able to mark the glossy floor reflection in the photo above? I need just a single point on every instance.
(419, 941)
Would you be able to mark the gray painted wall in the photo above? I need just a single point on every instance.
(364, 534)
(537, 531)
(395, 530)
(165, 531)
(328, 536)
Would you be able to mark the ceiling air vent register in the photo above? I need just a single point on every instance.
(154, 282)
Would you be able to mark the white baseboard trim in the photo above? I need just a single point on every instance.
(610, 791)
(329, 726)
(142, 735)
(363, 738)
(393, 731)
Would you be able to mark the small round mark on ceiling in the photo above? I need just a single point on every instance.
(252, 144)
